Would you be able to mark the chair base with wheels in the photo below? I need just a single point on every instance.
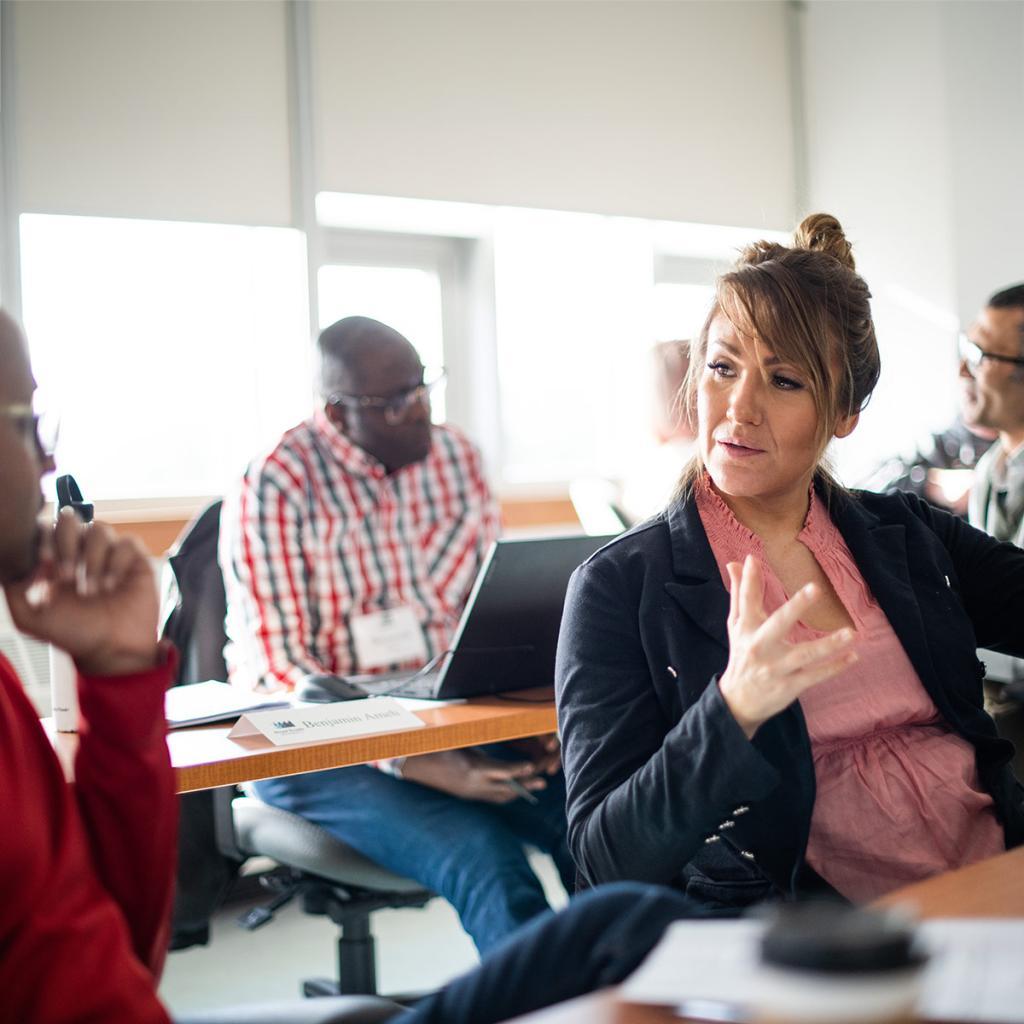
(331, 878)
(341, 1010)
(357, 959)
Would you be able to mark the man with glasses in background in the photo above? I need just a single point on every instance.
(953, 465)
(992, 397)
(351, 548)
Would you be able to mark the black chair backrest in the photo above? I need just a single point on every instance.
(195, 624)
(196, 621)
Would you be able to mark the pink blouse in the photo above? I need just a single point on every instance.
(898, 798)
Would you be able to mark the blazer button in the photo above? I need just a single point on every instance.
(712, 839)
(728, 823)
(747, 854)
(742, 809)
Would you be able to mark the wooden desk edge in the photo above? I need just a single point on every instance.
(990, 888)
(516, 722)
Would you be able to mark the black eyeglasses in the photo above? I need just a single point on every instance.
(40, 427)
(396, 407)
(972, 354)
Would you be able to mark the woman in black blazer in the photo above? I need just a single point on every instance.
(687, 752)
(686, 749)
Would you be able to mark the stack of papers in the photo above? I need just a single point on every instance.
(202, 703)
(975, 970)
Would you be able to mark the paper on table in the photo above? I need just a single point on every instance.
(212, 701)
(698, 960)
(975, 972)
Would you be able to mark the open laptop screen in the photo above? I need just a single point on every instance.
(509, 629)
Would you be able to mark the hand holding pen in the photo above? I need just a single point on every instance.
(474, 775)
(520, 790)
(545, 752)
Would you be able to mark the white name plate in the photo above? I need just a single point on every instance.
(305, 724)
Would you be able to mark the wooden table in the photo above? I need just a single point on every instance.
(992, 888)
(204, 757)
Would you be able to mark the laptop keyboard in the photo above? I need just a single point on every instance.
(404, 684)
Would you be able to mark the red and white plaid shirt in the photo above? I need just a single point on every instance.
(318, 533)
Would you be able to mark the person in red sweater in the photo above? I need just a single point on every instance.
(87, 867)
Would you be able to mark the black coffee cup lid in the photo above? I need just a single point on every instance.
(833, 938)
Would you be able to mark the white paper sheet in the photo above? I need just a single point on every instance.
(975, 972)
(213, 701)
(698, 960)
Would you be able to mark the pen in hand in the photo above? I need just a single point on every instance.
(63, 675)
(520, 790)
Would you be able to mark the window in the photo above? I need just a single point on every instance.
(572, 294)
(683, 290)
(174, 352)
(581, 301)
(680, 309)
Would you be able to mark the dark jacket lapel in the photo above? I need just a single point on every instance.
(697, 587)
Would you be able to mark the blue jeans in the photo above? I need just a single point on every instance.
(469, 852)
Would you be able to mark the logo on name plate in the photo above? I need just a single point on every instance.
(284, 725)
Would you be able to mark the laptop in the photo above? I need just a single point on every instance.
(508, 632)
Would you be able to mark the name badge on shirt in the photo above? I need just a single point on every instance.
(389, 637)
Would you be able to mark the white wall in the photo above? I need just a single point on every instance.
(915, 140)
(984, 57)
(180, 109)
(665, 110)
(915, 113)
(154, 110)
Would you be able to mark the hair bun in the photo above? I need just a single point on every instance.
(821, 232)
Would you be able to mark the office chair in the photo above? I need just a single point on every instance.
(331, 878)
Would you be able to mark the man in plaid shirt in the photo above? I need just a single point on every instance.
(351, 548)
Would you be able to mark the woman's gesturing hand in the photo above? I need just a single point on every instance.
(767, 672)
